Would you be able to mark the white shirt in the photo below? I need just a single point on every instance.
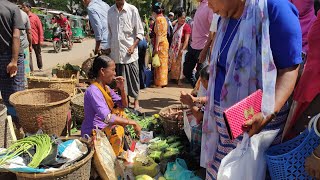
(124, 27)
(214, 23)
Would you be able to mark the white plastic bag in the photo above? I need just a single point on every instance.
(188, 122)
(75, 150)
(146, 136)
(247, 161)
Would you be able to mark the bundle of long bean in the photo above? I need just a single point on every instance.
(41, 142)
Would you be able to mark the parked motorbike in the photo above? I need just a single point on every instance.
(60, 39)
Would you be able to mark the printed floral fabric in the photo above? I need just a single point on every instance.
(250, 64)
(161, 73)
(249, 67)
(176, 42)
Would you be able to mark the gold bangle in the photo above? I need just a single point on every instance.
(317, 157)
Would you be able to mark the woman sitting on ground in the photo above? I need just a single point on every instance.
(103, 108)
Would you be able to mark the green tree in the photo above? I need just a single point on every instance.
(57, 4)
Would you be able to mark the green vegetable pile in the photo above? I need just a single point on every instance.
(164, 148)
(41, 142)
(146, 123)
(69, 67)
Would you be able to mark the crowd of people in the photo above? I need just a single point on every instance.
(216, 44)
(226, 51)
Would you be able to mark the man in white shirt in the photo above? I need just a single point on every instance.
(125, 32)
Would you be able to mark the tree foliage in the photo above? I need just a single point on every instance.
(144, 6)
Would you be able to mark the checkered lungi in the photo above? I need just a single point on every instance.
(27, 69)
(9, 85)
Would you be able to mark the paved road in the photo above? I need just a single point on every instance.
(79, 53)
(151, 99)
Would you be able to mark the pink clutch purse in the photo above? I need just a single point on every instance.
(236, 115)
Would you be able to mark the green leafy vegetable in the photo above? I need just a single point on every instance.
(42, 143)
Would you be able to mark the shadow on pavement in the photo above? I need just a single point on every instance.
(154, 105)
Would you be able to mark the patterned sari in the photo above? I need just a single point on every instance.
(161, 73)
(115, 133)
(174, 56)
(249, 66)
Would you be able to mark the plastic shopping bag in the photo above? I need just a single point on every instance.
(188, 122)
(247, 160)
(178, 170)
(156, 61)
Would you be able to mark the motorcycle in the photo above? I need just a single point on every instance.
(60, 39)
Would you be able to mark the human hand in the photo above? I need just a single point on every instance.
(202, 57)
(131, 50)
(97, 50)
(312, 164)
(107, 51)
(254, 125)
(120, 82)
(187, 98)
(12, 69)
(137, 128)
(155, 51)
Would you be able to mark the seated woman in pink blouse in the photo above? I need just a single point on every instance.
(103, 108)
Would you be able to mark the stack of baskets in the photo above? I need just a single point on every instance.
(172, 123)
(78, 171)
(45, 109)
(65, 84)
(5, 133)
(77, 107)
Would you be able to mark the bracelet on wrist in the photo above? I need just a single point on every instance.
(315, 156)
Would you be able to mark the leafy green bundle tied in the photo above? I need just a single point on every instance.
(41, 142)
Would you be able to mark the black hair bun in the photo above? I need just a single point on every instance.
(179, 12)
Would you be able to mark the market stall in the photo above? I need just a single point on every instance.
(44, 113)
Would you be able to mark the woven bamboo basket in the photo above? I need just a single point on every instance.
(6, 137)
(77, 107)
(87, 64)
(78, 171)
(45, 109)
(65, 84)
(172, 125)
(68, 74)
